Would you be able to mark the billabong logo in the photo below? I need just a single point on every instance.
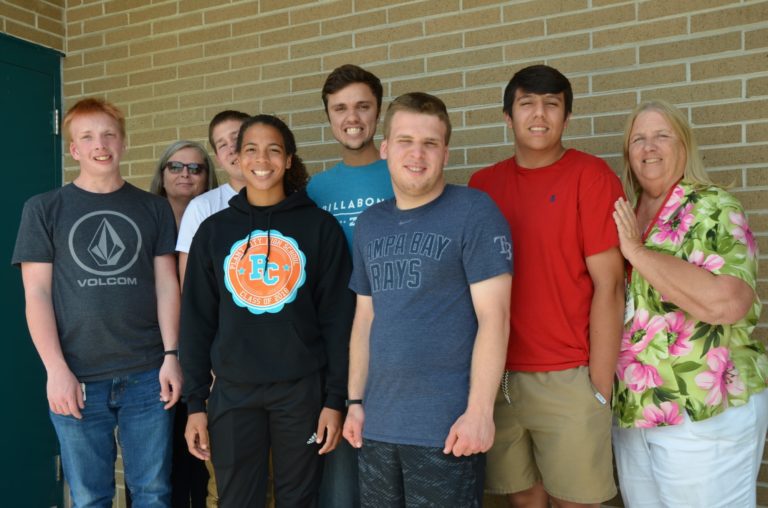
(506, 246)
(260, 284)
(108, 235)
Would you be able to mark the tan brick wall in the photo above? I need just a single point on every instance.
(172, 64)
(38, 21)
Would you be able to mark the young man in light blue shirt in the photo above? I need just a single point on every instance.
(352, 99)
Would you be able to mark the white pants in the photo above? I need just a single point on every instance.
(707, 464)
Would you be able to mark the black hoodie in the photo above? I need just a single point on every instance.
(265, 299)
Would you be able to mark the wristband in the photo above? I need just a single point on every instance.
(174, 352)
(350, 402)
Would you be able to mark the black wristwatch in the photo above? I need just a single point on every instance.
(350, 402)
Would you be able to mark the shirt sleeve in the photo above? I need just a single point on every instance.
(723, 242)
(359, 282)
(34, 240)
(335, 305)
(166, 240)
(599, 188)
(313, 187)
(198, 324)
(487, 243)
(190, 222)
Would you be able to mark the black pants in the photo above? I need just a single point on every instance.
(245, 421)
(189, 476)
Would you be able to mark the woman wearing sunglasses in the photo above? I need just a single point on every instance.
(185, 170)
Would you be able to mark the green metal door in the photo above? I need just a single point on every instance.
(30, 94)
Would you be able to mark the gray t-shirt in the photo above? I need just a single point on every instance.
(418, 265)
(102, 247)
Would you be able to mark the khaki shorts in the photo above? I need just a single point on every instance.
(556, 431)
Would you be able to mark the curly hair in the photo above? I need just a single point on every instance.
(296, 177)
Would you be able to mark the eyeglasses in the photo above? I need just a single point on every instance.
(194, 168)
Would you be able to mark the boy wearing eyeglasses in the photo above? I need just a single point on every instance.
(222, 135)
(98, 266)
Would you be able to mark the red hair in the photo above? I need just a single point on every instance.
(89, 106)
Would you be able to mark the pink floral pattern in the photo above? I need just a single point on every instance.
(721, 378)
(742, 232)
(668, 361)
(644, 329)
(640, 377)
(666, 413)
(672, 204)
(712, 262)
(680, 331)
(675, 228)
(626, 357)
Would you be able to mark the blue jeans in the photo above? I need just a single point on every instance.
(339, 488)
(88, 451)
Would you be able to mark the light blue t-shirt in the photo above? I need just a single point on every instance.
(346, 191)
(418, 265)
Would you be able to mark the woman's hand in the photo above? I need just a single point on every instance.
(713, 299)
(629, 230)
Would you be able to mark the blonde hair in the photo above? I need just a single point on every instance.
(694, 172)
(422, 103)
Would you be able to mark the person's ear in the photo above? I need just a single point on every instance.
(508, 119)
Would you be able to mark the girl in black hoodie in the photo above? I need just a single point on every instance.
(266, 308)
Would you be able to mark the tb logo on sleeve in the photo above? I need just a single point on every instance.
(260, 283)
(505, 246)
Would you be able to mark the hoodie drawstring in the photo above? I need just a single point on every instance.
(253, 227)
(269, 237)
(250, 232)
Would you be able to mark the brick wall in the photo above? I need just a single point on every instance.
(38, 21)
(172, 64)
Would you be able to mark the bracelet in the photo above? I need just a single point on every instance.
(350, 402)
(174, 352)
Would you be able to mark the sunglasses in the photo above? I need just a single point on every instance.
(194, 168)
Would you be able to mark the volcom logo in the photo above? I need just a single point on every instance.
(106, 246)
(105, 243)
(506, 246)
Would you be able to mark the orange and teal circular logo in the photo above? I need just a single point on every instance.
(260, 284)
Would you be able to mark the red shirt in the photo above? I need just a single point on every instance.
(558, 215)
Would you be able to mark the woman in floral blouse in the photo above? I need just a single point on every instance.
(690, 402)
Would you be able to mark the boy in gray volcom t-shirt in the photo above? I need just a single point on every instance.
(98, 265)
